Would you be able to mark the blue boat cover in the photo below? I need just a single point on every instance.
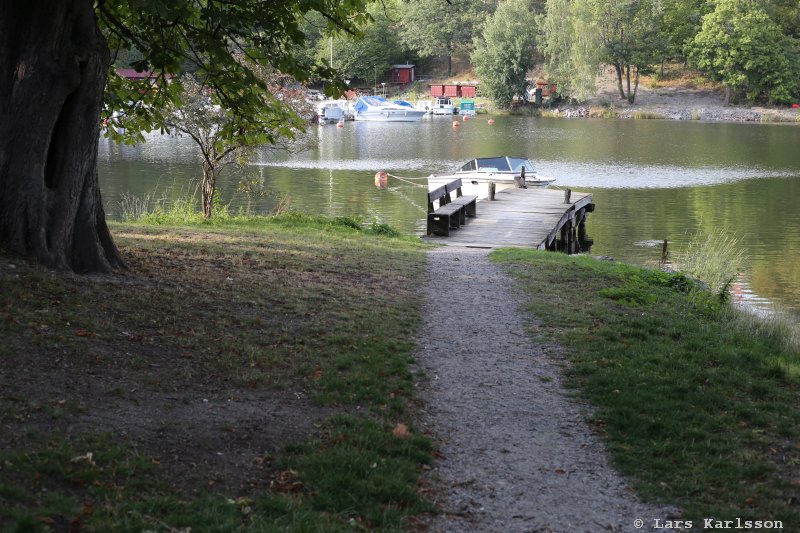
(365, 101)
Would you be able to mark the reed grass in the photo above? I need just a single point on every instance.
(602, 112)
(716, 258)
(648, 115)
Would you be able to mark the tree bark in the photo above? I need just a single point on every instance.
(619, 69)
(208, 187)
(53, 68)
(728, 92)
(628, 83)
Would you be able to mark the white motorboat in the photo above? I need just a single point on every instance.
(333, 111)
(504, 171)
(379, 109)
(443, 106)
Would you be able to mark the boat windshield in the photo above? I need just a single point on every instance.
(468, 167)
(496, 164)
(518, 162)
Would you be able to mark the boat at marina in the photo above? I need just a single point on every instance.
(443, 106)
(467, 107)
(333, 111)
(379, 109)
(505, 172)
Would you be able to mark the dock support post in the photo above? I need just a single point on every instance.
(582, 224)
(492, 187)
(567, 194)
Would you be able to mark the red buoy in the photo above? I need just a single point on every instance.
(466, 118)
(491, 121)
(340, 124)
(381, 180)
(456, 124)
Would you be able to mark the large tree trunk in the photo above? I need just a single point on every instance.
(53, 68)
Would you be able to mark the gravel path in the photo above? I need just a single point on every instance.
(517, 455)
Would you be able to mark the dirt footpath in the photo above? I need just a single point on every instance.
(517, 455)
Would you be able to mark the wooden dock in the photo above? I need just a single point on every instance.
(547, 219)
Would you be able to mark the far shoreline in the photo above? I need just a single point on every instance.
(705, 113)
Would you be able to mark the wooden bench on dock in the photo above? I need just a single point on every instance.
(452, 211)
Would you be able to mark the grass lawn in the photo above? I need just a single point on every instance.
(250, 374)
(698, 402)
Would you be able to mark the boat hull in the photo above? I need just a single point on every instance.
(412, 115)
(479, 186)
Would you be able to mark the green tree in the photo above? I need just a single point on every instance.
(579, 35)
(504, 51)
(630, 32)
(57, 63)
(441, 27)
(369, 54)
(570, 42)
(683, 20)
(742, 47)
(225, 137)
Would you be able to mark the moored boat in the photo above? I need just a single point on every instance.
(443, 106)
(467, 107)
(505, 172)
(379, 109)
(332, 111)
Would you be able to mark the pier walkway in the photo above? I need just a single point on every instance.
(531, 218)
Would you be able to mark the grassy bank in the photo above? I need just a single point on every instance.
(163, 398)
(699, 404)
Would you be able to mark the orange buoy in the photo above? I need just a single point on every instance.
(466, 118)
(381, 180)
(456, 124)
(340, 124)
(491, 121)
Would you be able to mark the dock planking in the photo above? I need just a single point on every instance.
(531, 218)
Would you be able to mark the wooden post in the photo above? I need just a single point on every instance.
(567, 194)
(582, 225)
(663, 254)
(491, 190)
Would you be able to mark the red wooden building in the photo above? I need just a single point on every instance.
(454, 90)
(403, 74)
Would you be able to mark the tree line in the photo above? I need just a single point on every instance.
(749, 46)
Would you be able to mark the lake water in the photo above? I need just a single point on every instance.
(652, 180)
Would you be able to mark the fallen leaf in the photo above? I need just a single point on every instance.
(401, 430)
(287, 482)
